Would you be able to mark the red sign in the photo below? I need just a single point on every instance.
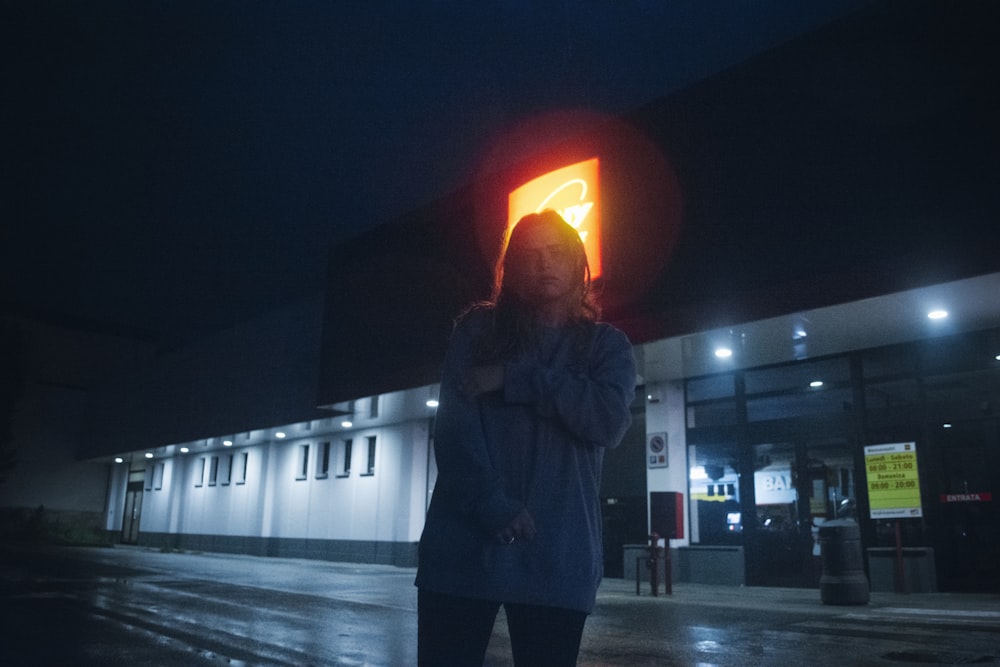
(573, 192)
(983, 497)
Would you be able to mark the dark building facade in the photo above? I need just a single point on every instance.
(772, 239)
(805, 210)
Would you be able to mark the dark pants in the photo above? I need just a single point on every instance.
(455, 632)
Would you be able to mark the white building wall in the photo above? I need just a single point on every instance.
(412, 525)
(181, 505)
(665, 414)
(291, 497)
(276, 500)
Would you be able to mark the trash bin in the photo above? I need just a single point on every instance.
(843, 580)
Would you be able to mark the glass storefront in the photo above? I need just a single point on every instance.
(774, 452)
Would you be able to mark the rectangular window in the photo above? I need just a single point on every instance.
(213, 471)
(199, 472)
(345, 461)
(242, 460)
(148, 477)
(711, 387)
(373, 408)
(158, 475)
(323, 467)
(371, 455)
(796, 377)
(806, 390)
(303, 467)
(714, 488)
(227, 470)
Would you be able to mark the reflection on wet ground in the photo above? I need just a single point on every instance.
(135, 606)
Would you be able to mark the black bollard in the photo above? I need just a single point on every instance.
(843, 580)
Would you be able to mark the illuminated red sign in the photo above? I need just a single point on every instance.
(983, 497)
(573, 192)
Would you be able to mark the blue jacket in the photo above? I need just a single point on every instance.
(537, 444)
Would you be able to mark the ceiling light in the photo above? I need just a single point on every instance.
(946, 425)
(184, 450)
(149, 455)
(816, 383)
(347, 423)
(723, 352)
(279, 434)
(227, 443)
(937, 314)
(432, 403)
(119, 459)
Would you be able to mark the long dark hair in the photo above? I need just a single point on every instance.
(513, 324)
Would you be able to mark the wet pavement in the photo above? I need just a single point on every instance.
(134, 606)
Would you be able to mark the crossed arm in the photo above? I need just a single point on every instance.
(592, 404)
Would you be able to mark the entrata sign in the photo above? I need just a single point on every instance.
(893, 482)
(984, 497)
(573, 192)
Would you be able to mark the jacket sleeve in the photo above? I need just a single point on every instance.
(592, 402)
(465, 467)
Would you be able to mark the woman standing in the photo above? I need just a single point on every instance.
(533, 391)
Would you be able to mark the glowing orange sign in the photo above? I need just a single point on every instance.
(573, 192)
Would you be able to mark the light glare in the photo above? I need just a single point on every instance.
(573, 192)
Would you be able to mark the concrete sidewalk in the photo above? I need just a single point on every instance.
(804, 599)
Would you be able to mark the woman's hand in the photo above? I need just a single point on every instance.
(521, 527)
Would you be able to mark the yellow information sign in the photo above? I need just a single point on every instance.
(893, 482)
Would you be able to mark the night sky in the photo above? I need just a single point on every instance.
(178, 167)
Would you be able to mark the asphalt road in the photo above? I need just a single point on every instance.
(132, 606)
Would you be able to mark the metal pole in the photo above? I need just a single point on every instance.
(900, 577)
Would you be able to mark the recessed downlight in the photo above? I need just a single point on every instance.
(938, 314)
(723, 352)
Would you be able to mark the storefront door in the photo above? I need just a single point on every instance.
(132, 513)
(798, 484)
(968, 541)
